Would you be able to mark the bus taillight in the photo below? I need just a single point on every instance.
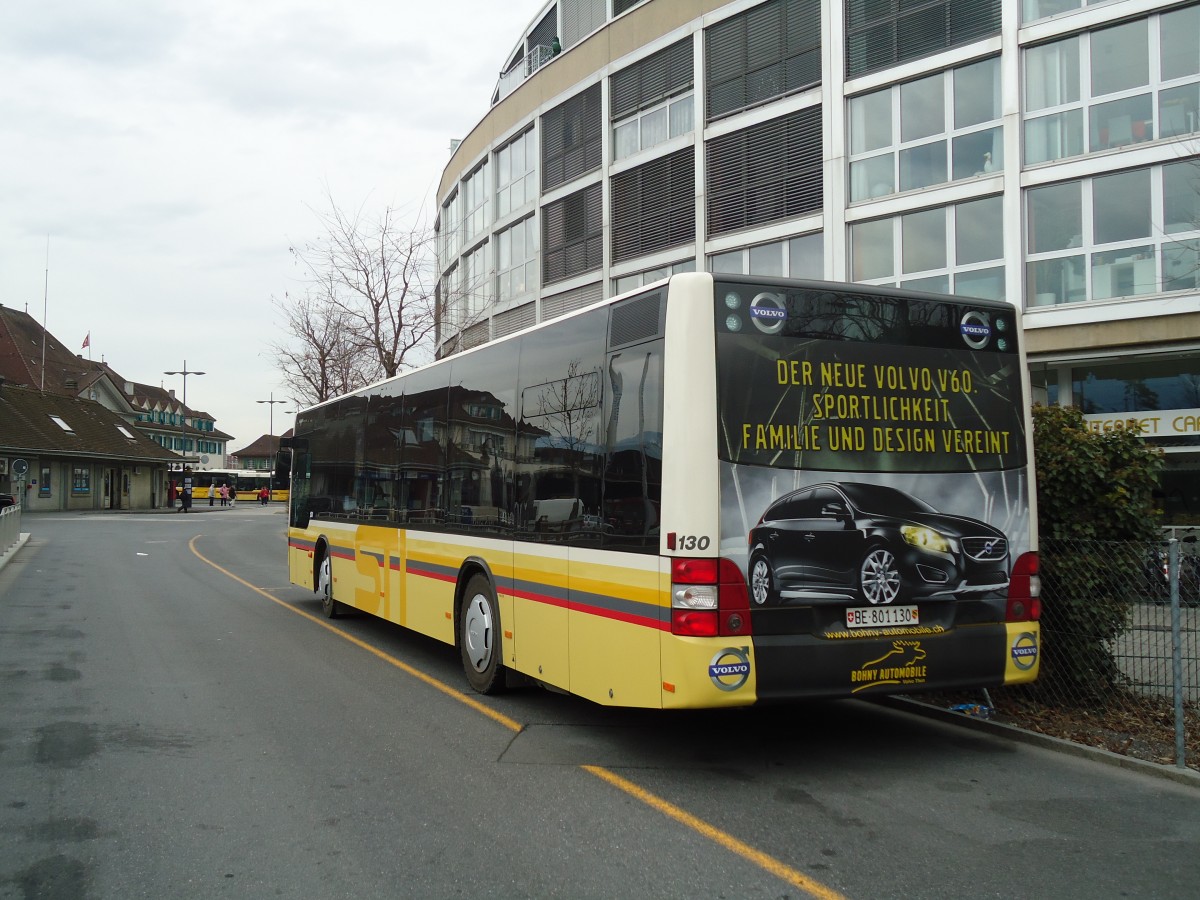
(1024, 590)
(708, 598)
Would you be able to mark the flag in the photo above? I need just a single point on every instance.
(87, 341)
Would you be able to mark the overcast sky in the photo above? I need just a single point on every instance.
(170, 152)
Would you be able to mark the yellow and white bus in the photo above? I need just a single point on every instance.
(714, 491)
(246, 483)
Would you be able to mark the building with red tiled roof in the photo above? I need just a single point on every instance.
(32, 357)
(260, 454)
(76, 454)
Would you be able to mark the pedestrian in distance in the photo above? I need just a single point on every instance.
(185, 495)
(224, 495)
(212, 494)
(264, 496)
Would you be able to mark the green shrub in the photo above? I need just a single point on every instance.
(1095, 495)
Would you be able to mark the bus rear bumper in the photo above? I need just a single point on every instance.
(976, 656)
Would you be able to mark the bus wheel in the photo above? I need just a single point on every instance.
(329, 606)
(879, 577)
(760, 580)
(479, 636)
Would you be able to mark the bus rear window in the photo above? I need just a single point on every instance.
(858, 382)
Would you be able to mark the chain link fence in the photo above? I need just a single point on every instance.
(1120, 649)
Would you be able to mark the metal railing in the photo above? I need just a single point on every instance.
(10, 527)
(1120, 663)
(524, 67)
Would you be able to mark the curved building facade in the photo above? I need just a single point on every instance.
(1046, 152)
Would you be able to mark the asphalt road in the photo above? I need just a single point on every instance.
(177, 721)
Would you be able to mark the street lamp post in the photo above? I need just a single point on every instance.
(185, 372)
(271, 406)
(270, 442)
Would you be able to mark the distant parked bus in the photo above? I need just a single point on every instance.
(713, 491)
(245, 482)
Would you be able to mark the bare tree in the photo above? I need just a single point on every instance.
(320, 361)
(368, 308)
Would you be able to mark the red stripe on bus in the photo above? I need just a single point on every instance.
(628, 618)
(598, 611)
(540, 598)
(426, 573)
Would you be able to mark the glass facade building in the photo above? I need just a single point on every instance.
(1045, 152)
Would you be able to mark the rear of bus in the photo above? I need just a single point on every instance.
(874, 527)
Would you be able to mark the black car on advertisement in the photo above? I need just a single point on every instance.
(870, 543)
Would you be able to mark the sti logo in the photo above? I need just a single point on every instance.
(768, 313)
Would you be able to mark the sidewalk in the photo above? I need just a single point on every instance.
(242, 505)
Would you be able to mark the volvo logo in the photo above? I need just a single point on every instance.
(768, 313)
(1024, 651)
(975, 329)
(730, 668)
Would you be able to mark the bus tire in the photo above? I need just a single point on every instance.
(479, 636)
(324, 586)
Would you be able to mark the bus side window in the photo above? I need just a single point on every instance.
(483, 387)
(298, 499)
(560, 432)
(633, 441)
(423, 428)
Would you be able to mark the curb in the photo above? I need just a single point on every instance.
(1188, 777)
(8, 554)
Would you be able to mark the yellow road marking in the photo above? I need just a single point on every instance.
(404, 667)
(729, 842)
(764, 861)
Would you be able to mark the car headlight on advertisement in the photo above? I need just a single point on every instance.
(925, 538)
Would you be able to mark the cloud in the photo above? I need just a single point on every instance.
(101, 32)
(171, 150)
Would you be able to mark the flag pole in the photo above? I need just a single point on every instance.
(45, 310)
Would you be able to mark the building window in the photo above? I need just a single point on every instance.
(1102, 237)
(1138, 386)
(516, 174)
(572, 139)
(955, 249)
(476, 282)
(798, 257)
(81, 480)
(1134, 82)
(765, 173)
(453, 310)
(516, 260)
(669, 119)
(640, 279)
(944, 127)
(766, 52)
(450, 232)
(652, 100)
(572, 235)
(475, 196)
(654, 206)
(44, 482)
(884, 33)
